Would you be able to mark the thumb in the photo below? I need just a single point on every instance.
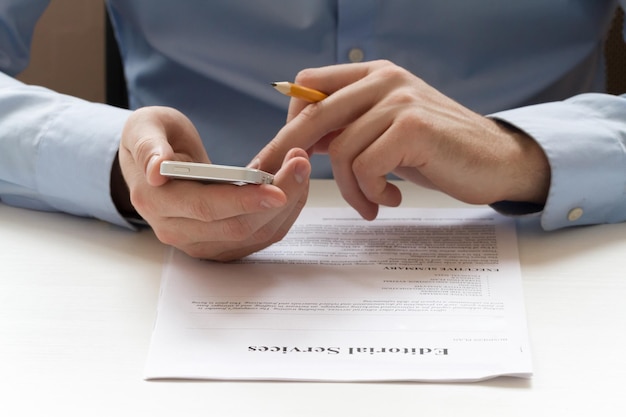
(155, 134)
(153, 170)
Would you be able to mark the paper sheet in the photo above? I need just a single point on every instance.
(416, 295)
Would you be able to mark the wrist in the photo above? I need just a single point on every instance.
(120, 193)
(529, 169)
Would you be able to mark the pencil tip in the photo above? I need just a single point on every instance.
(273, 84)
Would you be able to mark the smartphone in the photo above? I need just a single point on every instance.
(214, 173)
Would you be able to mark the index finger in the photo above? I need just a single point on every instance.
(329, 79)
(350, 96)
(213, 202)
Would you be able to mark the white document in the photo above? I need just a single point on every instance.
(416, 295)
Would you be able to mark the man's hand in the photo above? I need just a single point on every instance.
(211, 221)
(381, 119)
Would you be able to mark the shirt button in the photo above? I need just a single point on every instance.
(575, 214)
(356, 55)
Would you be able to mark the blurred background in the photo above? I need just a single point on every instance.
(70, 54)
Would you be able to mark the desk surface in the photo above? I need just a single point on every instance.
(78, 300)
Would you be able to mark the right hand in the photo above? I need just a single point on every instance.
(380, 119)
(211, 221)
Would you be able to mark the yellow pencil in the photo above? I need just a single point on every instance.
(299, 91)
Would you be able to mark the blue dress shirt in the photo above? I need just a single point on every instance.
(528, 63)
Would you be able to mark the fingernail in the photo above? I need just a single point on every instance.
(301, 173)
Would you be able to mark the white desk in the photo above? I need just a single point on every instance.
(78, 300)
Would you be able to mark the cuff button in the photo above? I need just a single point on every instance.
(575, 214)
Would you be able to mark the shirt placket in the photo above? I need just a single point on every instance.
(355, 30)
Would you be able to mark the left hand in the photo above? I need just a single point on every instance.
(210, 221)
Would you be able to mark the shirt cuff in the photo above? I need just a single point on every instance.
(583, 141)
(75, 159)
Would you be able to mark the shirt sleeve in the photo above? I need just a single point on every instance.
(584, 139)
(56, 151)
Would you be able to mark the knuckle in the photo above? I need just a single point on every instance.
(305, 76)
(382, 63)
(402, 97)
(337, 153)
(266, 235)
(310, 112)
(169, 236)
(138, 200)
(143, 148)
(201, 209)
(392, 72)
(199, 251)
(360, 167)
(237, 229)
(408, 122)
(141, 201)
